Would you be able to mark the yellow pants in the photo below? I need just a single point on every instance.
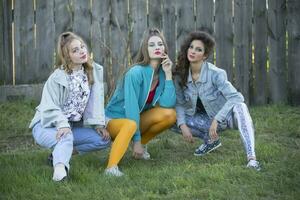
(152, 122)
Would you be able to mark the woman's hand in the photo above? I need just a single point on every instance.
(186, 133)
(62, 132)
(138, 150)
(104, 133)
(213, 130)
(167, 66)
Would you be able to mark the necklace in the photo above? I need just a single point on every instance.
(195, 76)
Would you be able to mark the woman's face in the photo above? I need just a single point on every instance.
(78, 52)
(196, 51)
(156, 47)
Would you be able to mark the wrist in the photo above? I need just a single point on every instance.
(168, 75)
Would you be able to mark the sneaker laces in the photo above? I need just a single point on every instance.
(201, 147)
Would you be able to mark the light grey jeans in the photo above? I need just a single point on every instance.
(83, 139)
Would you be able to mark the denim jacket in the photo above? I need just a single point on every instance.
(55, 93)
(217, 94)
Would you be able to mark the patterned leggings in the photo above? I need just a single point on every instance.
(239, 118)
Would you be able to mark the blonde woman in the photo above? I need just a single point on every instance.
(70, 117)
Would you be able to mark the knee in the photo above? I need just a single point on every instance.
(170, 115)
(101, 144)
(69, 138)
(130, 125)
(241, 105)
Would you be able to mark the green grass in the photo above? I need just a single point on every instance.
(173, 172)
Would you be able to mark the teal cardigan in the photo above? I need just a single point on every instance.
(130, 97)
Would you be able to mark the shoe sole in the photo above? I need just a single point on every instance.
(209, 150)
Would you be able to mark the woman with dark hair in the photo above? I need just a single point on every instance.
(73, 97)
(206, 101)
(142, 105)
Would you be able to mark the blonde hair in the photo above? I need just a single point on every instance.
(63, 59)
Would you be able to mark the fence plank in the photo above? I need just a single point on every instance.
(100, 43)
(82, 20)
(205, 15)
(63, 16)
(120, 42)
(205, 18)
(25, 54)
(224, 36)
(242, 45)
(155, 13)
(138, 16)
(277, 39)
(293, 7)
(45, 40)
(260, 54)
(169, 28)
(6, 72)
(185, 19)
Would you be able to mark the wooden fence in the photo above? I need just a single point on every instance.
(257, 40)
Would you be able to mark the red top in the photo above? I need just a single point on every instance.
(151, 94)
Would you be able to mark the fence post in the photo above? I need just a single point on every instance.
(293, 26)
(224, 36)
(205, 19)
(185, 20)
(138, 16)
(6, 68)
(45, 40)
(155, 13)
(82, 20)
(260, 52)
(100, 38)
(63, 17)
(169, 30)
(25, 52)
(120, 40)
(277, 45)
(242, 45)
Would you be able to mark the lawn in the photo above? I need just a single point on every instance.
(172, 173)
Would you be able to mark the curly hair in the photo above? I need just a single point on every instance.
(63, 58)
(183, 64)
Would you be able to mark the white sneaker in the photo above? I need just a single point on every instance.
(113, 171)
(254, 165)
(146, 154)
(60, 172)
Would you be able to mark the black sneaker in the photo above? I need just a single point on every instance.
(206, 148)
(50, 160)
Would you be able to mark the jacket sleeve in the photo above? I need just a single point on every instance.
(229, 92)
(51, 113)
(131, 92)
(94, 111)
(168, 96)
(180, 111)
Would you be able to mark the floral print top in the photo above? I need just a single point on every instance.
(78, 97)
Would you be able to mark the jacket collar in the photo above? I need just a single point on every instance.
(203, 74)
(60, 76)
